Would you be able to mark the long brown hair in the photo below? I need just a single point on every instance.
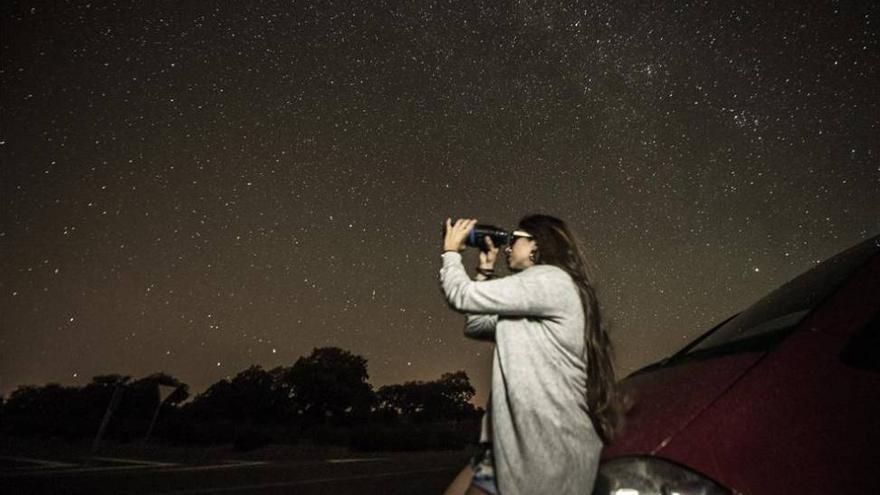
(557, 245)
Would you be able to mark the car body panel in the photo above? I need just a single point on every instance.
(794, 419)
(667, 399)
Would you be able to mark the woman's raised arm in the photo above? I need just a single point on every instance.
(536, 291)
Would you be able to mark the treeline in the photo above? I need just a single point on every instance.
(324, 398)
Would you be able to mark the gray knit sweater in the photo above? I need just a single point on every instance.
(542, 438)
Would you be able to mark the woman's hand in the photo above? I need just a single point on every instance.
(456, 234)
(487, 258)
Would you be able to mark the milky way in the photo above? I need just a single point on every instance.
(196, 188)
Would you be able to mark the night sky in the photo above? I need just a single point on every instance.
(195, 188)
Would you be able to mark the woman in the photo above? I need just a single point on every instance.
(553, 402)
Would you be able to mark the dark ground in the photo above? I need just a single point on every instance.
(33, 467)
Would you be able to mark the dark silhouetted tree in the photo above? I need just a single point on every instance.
(50, 410)
(251, 395)
(330, 383)
(443, 399)
(95, 396)
(456, 392)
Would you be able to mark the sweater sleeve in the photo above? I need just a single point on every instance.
(480, 327)
(535, 291)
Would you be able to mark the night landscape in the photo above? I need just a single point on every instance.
(221, 223)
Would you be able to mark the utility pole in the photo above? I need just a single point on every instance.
(114, 401)
(164, 392)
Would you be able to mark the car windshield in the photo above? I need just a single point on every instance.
(771, 317)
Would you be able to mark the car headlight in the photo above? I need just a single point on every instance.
(652, 476)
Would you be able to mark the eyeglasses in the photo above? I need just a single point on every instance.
(516, 234)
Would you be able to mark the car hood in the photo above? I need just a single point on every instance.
(665, 399)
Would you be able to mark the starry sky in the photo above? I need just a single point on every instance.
(196, 187)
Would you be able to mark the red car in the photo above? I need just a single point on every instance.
(781, 398)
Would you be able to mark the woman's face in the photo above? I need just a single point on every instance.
(518, 253)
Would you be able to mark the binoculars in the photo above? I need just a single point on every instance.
(477, 236)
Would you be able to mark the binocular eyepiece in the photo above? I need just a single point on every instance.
(477, 236)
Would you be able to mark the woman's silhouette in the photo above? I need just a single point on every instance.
(553, 402)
